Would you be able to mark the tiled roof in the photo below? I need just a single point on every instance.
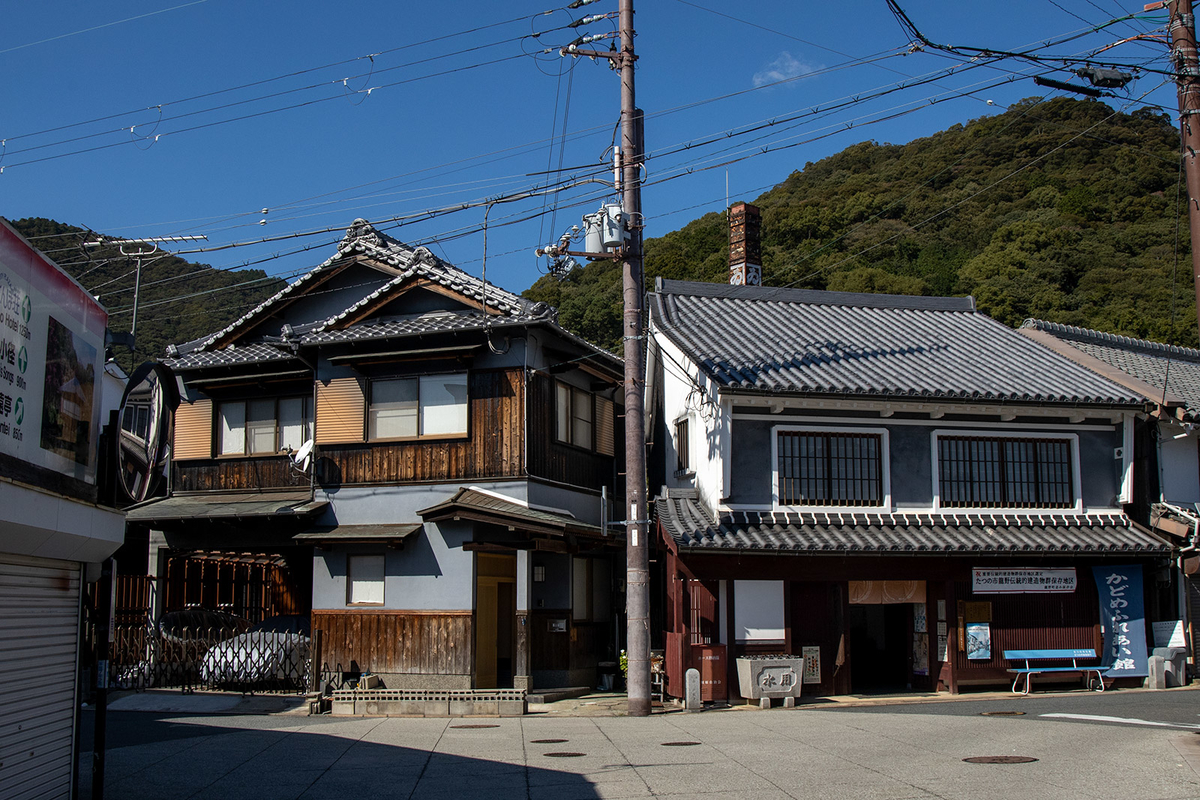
(362, 239)
(230, 356)
(426, 323)
(179, 507)
(808, 342)
(691, 526)
(1149, 362)
(485, 505)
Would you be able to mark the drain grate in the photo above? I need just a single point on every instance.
(1000, 760)
(564, 754)
(472, 727)
(680, 744)
(1001, 713)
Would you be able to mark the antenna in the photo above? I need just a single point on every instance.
(301, 457)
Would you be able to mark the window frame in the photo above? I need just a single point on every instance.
(350, 558)
(572, 393)
(683, 455)
(967, 433)
(308, 424)
(885, 504)
(454, 435)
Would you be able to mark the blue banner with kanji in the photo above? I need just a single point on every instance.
(1123, 615)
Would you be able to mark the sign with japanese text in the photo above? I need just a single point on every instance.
(1123, 618)
(51, 362)
(1023, 581)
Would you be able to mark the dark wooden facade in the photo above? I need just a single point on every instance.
(563, 463)
(817, 612)
(409, 642)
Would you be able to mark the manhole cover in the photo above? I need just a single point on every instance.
(680, 744)
(564, 755)
(472, 727)
(547, 741)
(1002, 713)
(999, 760)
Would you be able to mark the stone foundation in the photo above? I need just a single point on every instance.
(429, 703)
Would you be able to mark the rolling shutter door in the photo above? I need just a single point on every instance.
(340, 411)
(194, 430)
(39, 629)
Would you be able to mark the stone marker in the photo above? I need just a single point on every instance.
(692, 690)
(1158, 673)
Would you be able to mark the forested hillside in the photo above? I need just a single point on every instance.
(179, 300)
(1061, 210)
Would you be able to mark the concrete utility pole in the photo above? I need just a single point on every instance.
(1187, 79)
(637, 551)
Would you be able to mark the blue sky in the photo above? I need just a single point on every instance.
(397, 112)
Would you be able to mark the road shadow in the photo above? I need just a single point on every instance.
(163, 756)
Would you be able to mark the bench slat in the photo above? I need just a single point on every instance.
(1048, 654)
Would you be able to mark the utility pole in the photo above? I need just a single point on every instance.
(1187, 80)
(637, 550)
(141, 248)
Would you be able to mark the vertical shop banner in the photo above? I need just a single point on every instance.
(51, 362)
(1124, 619)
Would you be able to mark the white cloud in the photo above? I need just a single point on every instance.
(783, 68)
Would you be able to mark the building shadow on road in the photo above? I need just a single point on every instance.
(164, 756)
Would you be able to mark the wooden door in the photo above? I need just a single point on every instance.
(495, 619)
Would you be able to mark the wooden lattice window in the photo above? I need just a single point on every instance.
(830, 469)
(1002, 472)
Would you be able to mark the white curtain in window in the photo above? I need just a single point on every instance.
(581, 419)
(563, 412)
(393, 409)
(443, 405)
(365, 579)
(233, 428)
(260, 426)
(294, 422)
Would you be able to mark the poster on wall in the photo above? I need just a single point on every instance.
(920, 619)
(1123, 618)
(812, 663)
(51, 362)
(943, 648)
(979, 641)
(920, 653)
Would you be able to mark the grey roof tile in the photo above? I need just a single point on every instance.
(230, 356)
(1161, 365)
(686, 521)
(808, 342)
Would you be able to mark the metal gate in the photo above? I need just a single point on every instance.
(39, 634)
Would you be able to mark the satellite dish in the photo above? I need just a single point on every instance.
(302, 456)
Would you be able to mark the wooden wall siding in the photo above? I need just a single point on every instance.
(193, 430)
(493, 449)
(1030, 622)
(549, 650)
(340, 411)
(247, 472)
(420, 643)
(560, 462)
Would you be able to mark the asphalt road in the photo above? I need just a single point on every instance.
(1127, 744)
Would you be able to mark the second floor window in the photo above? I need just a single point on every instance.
(1001, 472)
(682, 464)
(408, 408)
(261, 427)
(573, 414)
(830, 469)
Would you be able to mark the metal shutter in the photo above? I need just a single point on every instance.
(340, 411)
(39, 630)
(194, 429)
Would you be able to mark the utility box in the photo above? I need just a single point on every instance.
(711, 660)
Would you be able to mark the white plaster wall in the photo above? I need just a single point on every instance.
(1179, 465)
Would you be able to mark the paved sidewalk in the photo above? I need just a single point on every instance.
(908, 751)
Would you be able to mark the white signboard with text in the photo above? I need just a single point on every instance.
(51, 362)
(1023, 581)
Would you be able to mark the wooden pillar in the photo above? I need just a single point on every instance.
(789, 637)
(952, 637)
(522, 666)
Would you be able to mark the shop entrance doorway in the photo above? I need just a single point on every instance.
(879, 648)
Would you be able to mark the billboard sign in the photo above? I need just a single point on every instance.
(51, 362)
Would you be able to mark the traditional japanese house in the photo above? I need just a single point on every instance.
(897, 488)
(414, 457)
(1166, 442)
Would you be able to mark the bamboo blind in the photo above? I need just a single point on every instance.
(340, 411)
(193, 430)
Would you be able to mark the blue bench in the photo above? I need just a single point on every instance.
(1030, 669)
